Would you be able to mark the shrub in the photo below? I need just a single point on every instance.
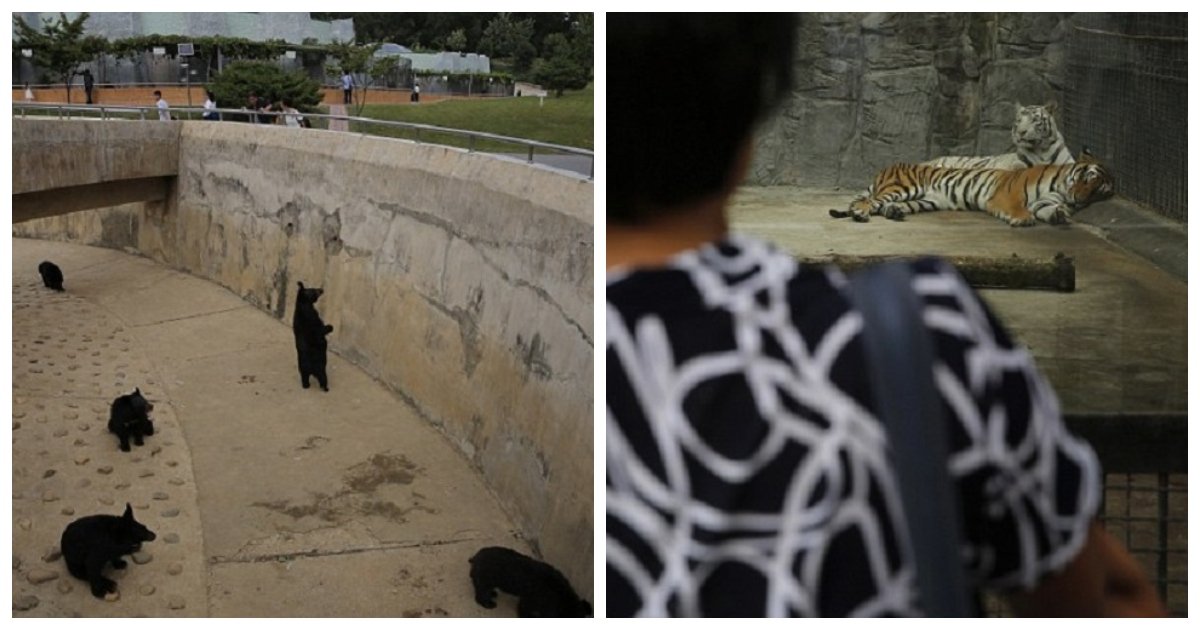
(266, 80)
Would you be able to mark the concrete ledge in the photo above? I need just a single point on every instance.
(46, 203)
(51, 153)
(1152, 236)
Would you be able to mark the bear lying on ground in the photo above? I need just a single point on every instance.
(92, 542)
(130, 417)
(310, 332)
(542, 589)
(51, 275)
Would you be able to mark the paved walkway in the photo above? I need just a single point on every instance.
(268, 500)
(338, 125)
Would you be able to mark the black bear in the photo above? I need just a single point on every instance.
(51, 275)
(130, 417)
(542, 589)
(90, 543)
(310, 334)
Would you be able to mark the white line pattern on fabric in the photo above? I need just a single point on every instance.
(845, 458)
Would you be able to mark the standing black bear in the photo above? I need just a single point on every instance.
(51, 275)
(92, 542)
(542, 589)
(130, 417)
(310, 334)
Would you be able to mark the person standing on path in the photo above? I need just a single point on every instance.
(161, 103)
(347, 87)
(88, 84)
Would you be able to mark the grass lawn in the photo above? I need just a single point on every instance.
(567, 120)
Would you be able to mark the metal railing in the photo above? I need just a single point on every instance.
(139, 112)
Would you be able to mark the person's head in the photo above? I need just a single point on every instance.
(157, 95)
(211, 96)
(686, 91)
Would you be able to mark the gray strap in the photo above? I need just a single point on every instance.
(900, 366)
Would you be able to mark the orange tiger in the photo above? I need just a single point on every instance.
(1047, 192)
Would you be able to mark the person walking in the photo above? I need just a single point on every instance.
(747, 469)
(347, 87)
(164, 112)
(210, 106)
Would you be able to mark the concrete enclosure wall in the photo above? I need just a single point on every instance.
(48, 154)
(461, 281)
(872, 89)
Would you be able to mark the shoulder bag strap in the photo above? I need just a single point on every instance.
(900, 365)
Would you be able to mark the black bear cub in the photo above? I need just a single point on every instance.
(310, 334)
(92, 542)
(130, 417)
(51, 275)
(542, 589)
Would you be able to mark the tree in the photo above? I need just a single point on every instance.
(456, 40)
(581, 40)
(560, 70)
(58, 47)
(505, 37)
(361, 62)
(264, 79)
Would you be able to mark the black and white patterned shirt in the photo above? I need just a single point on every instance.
(747, 474)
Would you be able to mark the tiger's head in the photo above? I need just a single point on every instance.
(1034, 128)
(1088, 181)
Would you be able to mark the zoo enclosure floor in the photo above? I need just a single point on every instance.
(268, 500)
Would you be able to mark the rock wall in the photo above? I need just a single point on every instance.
(872, 89)
(463, 282)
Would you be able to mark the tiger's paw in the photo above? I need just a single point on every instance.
(861, 217)
(895, 213)
(1056, 215)
(1022, 221)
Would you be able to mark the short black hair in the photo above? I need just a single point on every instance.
(684, 92)
(157, 93)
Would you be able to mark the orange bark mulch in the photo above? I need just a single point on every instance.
(177, 96)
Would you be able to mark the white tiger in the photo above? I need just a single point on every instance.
(1036, 137)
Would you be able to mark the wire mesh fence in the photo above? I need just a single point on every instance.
(1144, 500)
(1148, 513)
(1126, 101)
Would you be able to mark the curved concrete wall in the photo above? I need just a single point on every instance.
(462, 281)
